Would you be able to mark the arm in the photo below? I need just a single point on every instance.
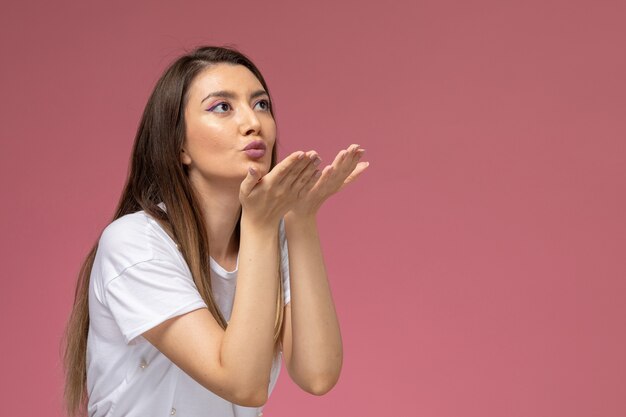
(311, 336)
(235, 363)
(311, 339)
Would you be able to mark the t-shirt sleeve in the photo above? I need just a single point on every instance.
(148, 293)
(284, 261)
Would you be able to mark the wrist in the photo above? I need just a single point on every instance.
(300, 219)
(256, 225)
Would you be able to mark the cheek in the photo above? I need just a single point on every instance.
(271, 133)
(205, 137)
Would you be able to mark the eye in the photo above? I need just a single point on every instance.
(223, 106)
(265, 104)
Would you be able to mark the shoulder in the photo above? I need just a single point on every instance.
(132, 231)
(131, 239)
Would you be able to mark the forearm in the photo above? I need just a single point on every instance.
(247, 346)
(316, 353)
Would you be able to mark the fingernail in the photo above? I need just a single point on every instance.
(317, 161)
(251, 171)
(317, 174)
(301, 155)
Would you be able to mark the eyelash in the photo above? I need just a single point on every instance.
(267, 103)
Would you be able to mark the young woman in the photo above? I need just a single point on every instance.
(211, 269)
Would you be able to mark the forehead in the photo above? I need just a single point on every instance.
(235, 78)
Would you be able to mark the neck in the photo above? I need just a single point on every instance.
(221, 207)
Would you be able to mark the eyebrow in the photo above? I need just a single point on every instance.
(231, 95)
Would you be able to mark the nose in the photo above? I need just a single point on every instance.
(249, 122)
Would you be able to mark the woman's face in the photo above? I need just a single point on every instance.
(228, 123)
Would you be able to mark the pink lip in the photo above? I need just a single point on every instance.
(257, 144)
(255, 149)
(255, 153)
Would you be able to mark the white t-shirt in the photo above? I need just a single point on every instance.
(140, 279)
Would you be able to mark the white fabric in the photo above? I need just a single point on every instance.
(140, 279)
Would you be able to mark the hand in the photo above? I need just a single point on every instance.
(344, 169)
(266, 199)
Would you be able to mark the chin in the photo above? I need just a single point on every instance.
(261, 167)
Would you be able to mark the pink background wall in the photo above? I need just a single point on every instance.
(478, 267)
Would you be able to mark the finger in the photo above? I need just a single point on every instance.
(356, 157)
(348, 162)
(283, 168)
(294, 170)
(350, 152)
(344, 164)
(361, 166)
(341, 163)
(299, 175)
(305, 176)
(327, 174)
(358, 152)
(310, 183)
(310, 169)
(339, 158)
(248, 183)
(353, 148)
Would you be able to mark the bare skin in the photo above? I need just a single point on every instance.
(235, 363)
(311, 337)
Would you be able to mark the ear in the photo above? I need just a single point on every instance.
(184, 157)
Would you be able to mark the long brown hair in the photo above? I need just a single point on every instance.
(157, 175)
